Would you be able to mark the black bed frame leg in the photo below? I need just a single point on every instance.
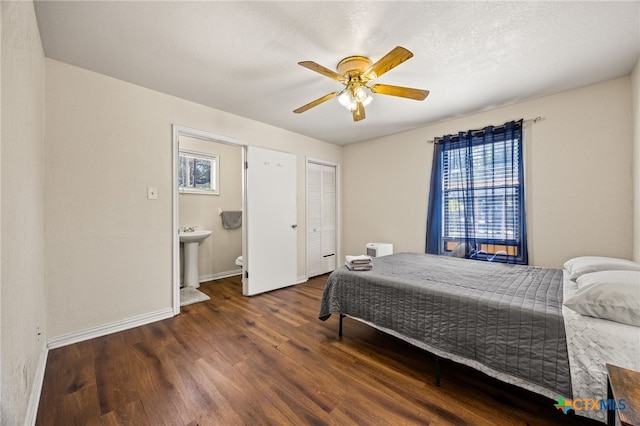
(340, 329)
(437, 371)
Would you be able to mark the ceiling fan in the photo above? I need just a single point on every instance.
(355, 72)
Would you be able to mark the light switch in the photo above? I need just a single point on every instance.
(152, 193)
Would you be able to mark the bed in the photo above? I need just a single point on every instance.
(507, 321)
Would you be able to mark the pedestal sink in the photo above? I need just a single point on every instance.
(191, 240)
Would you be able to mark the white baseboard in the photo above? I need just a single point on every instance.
(103, 330)
(225, 274)
(36, 388)
(219, 275)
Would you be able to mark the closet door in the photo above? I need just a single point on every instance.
(321, 218)
(328, 218)
(314, 219)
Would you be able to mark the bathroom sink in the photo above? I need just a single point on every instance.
(191, 240)
(194, 236)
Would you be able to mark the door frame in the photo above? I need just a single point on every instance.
(178, 131)
(338, 209)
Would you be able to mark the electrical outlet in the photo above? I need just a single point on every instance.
(152, 193)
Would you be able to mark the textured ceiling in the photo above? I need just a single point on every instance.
(241, 57)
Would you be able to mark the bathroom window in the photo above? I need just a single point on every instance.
(198, 172)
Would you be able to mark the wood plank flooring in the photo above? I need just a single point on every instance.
(268, 360)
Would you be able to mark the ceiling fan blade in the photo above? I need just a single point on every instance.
(403, 92)
(389, 61)
(322, 70)
(358, 113)
(316, 102)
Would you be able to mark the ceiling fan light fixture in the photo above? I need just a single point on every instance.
(351, 95)
(344, 98)
(348, 100)
(362, 95)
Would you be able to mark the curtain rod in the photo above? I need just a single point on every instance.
(527, 121)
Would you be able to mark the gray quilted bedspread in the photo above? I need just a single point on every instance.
(506, 317)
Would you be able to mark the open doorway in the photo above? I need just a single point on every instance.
(208, 180)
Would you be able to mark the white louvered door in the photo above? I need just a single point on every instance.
(328, 217)
(321, 218)
(314, 222)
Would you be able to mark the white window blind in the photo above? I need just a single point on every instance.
(491, 212)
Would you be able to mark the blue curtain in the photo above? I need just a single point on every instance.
(434, 211)
(477, 195)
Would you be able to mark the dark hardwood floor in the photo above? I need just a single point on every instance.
(267, 359)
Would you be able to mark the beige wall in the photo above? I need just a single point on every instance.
(216, 254)
(635, 96)
(22, 289)
(109, 249)
(578, 177)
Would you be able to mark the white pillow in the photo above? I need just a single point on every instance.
(619, 302)
(609, 278)
(583, 265)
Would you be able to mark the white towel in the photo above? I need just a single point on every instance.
(358, 267)
(358, 263)
(358, 260)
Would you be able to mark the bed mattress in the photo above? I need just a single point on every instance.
(593, 343)
(504, 320)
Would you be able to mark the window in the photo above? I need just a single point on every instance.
(198, 172)
(494, 192)
(480, 195)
